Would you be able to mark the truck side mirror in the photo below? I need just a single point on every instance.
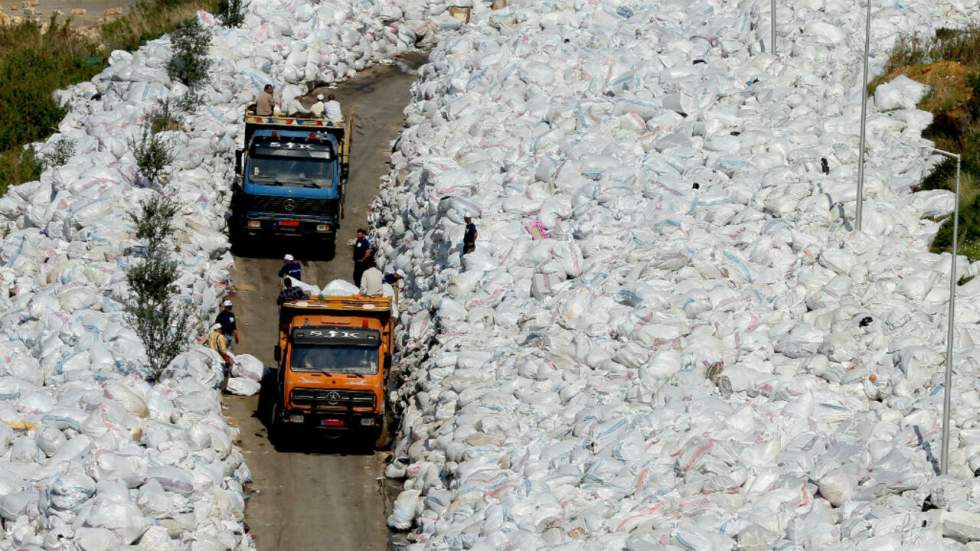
(277, 353)
(238, 161)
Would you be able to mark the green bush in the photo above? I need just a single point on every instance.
(64, 150)
(189, 62)
(164, 117)
(152, 154)
(231, 12)
(154, 221)
(162, 323)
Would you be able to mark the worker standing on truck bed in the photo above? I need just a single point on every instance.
(291, 268)
(332, 110)
(317, 108)
(229, 327)
(264, 102)
(362, 255)
(372, 282)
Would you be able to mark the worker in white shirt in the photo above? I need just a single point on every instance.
(317, 108)
(333, 112)
(372, 282)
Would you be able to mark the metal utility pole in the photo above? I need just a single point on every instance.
(864, 121)
(948, 384)
(772, 34)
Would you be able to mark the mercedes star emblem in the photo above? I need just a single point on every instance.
(289, 205)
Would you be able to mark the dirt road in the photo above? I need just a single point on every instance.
(328, 497)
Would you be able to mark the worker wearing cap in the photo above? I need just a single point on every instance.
(218, 343)
(317, 108)
(229, 328)
(291, 268)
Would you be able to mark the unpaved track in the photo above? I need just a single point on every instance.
(326, 496)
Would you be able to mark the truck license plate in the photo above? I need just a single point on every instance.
(289, 223)
(331, 422)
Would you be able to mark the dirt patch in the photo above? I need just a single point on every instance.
(950, 90)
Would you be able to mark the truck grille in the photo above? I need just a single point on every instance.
(331, 399)
(262, 203)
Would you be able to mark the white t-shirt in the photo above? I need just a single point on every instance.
(333, 110)
(372, 281)
(317, 109)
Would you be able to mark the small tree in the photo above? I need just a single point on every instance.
(63, 151)
(161, 322)
(165, 116)
(155, 222)
(152, 153)
(189, 62)
(231, 12)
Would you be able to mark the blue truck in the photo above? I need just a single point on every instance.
(290, 180)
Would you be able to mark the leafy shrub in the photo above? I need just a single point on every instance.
(64, 150)
(189, 63)
(162, 323)
(164, 117)
(231, 12)
(155, 221)
(152, 154)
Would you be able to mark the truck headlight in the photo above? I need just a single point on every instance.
(323, 227)
(295, 418)
(253, 224)
(367, 421)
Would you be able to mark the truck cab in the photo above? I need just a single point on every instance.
(290, 179)
(334, 355)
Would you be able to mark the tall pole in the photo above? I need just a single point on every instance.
(948, 384)
(864, 120)
(772, 34)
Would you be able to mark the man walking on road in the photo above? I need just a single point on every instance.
(291, 268)
(469, 238)
(216, 341)
(229, 327)
(362, 255)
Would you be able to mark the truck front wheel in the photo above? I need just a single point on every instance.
(386, 432)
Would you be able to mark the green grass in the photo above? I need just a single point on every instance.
(36, 60)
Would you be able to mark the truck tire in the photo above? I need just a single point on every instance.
(277, 428)
(387, 430)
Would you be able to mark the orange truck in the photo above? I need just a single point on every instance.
(334, 355)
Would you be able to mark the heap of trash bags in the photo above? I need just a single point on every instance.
(93, 455)
(670, 335)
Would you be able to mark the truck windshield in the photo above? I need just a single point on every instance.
(358, 360)
(290, 171)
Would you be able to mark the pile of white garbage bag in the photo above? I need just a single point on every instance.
(92, 456)
(669, 336)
